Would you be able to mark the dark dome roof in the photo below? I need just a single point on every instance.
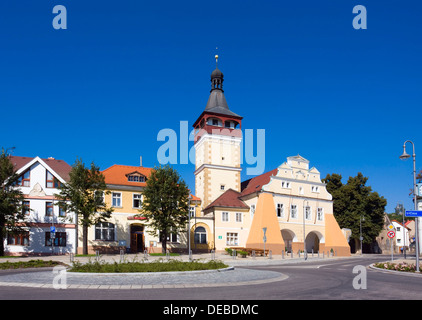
(216, 73)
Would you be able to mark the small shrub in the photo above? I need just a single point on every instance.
(28, 264)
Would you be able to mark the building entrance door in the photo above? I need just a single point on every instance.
(137, 240)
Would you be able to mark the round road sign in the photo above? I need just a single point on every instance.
(391, 234)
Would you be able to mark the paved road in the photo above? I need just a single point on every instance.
(322, 279)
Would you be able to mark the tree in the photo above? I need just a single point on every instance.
(355, 201)
(11, 200)
(165, 203)
(84, 195)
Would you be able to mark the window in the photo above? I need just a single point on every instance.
(25, 179)
(51, 181)
(26, 207)
(116, 199)
(300, 190)
(315, 189)
(59, 239)
(398, 229)
(104, 231)
(62, 212)
(308, 213)
(200, 235)
(293, 211)
(280, 210)
(232, 239)
(136, 178)
(238, 217)
(21, 239)
(171, 237)
(192, 211)
(137, 200)
(320, 214)
(49, 209)
(222, 187)
(225, 217)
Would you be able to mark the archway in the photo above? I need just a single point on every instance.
(313, 239)
(288, 237)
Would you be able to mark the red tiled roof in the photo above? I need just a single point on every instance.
(255, 184)
(59, 166)
(117, 174)
(230, 198)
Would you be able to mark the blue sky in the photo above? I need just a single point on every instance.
(101, 90)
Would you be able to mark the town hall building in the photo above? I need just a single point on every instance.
(290, 202)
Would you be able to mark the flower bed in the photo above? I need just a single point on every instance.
(156, 266)
(402, 266)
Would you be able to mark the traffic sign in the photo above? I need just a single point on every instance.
(52, 229)
(390, 227)
(391, 234)
(413, 213)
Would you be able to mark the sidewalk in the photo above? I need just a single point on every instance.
(229, 260)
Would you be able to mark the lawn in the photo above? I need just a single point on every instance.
(28, 264)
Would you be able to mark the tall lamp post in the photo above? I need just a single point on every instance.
(189, 201)
(405, 156)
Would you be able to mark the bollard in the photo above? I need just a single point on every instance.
(312, 253)
(291, 254)
(122, 255)
(234, 254)
(97, 255)
(318, 253)
(72, 257)
(323, 254)
(253, 254)
(298, 253)
(190, 255)
(168, 255)
(212, 254)
(270, 254)
(282, 254)
(146, 254)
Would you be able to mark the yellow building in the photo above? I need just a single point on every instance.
(125, 229)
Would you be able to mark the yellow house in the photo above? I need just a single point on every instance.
(125, 229)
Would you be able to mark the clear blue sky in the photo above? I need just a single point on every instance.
(101, 90)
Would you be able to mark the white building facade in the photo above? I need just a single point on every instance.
(39, 181)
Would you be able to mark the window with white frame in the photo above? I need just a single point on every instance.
(137, 200)
(225, 217)
(308, 213)
(252, 209)
(293, 211)
(238, 217)
(116, 199)
(280, 210)
(232, 239)
(104, 231)
(320, 214)
(192, 211)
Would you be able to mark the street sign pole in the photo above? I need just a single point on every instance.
(265, 238)
(391, 234)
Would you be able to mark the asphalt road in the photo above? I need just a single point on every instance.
(318, 280)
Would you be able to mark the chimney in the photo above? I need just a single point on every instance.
(140, 161)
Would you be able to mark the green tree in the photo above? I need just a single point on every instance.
(11, 200)
(355, 201)
(84, 195)
(165, 203)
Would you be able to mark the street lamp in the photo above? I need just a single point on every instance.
(189, 200)
(405, 156)
(304, 234)
(361, 237)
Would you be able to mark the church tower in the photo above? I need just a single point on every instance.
(217, 142)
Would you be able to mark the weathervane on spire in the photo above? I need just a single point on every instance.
(216, 58)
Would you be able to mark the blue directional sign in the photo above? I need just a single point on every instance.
(52, 229)
(413, 213)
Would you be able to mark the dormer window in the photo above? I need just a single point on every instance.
(135, 177)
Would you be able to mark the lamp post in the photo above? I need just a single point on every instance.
(361, 237)
(304, 234)
(405, 156)
(190, 198)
